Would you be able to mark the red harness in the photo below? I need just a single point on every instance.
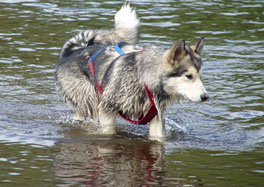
(152, 112)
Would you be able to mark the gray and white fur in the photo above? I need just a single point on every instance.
(171, 74)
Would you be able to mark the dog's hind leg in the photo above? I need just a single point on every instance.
(79, 93)
(107, 122)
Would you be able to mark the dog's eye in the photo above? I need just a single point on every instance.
(190, 77)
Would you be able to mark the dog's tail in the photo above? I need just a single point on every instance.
(126, 24)
(125, 30)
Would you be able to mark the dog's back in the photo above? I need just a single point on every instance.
(125, 30)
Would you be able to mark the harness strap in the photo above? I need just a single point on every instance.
(98, 86)
(152, 112)
(118, 48)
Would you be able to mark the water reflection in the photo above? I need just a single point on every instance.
(117, 162)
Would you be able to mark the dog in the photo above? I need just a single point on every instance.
(104, 74)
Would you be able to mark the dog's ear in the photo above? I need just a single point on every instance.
(177, 52)
(198, 47)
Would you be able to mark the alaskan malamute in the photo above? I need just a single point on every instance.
(103, 74)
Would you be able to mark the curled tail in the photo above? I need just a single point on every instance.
(126, 24)
(125, 30)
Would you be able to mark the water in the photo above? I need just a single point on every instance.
(216, 143)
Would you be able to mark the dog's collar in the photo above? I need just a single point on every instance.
(152, 112)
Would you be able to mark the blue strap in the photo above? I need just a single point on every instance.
(118, 49)
(95, 54)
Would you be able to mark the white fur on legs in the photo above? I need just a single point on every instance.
(107, 122)
(157, 129)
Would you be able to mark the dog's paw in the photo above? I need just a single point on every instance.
(157, 138)
(107, 130)
(78, 117)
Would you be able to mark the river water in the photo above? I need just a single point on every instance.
(216, 143)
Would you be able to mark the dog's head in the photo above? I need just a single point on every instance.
(183, 69)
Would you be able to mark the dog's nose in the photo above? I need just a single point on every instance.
(204, 97)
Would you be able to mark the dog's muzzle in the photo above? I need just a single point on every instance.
(204, 97)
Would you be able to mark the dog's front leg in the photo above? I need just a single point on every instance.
(157, 128)
(107, 122)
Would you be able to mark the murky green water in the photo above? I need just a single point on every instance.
(217, 143)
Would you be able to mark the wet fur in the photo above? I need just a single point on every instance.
(123, 77)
